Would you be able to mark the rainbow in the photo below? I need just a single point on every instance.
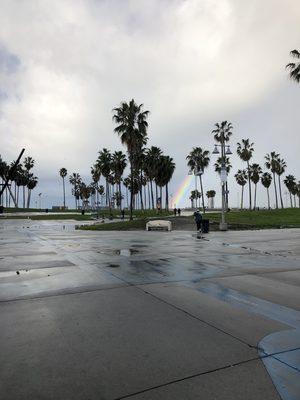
(182, 192)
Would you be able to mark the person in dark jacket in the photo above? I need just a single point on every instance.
(179, 212)
(198, 220)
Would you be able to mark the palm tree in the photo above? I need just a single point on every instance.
(280, 168)
(104, 165)
(290, 182)
(222, 133)
(75, 180)
(210, 194)
(168, 168)
(241, 177)
(63, 173)
(118, 165)
(32, 182)
(266, 180)
(245, 151)
(271, 164)
(132, 128)
(150, 166)
(294, 68)
(198, 160)
(255, 172)
(195, 194)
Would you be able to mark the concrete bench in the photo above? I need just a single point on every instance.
(159, 225)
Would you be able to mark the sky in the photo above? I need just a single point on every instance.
(65, 64)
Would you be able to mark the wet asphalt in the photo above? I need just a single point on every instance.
(148, 315)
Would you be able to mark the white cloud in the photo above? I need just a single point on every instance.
(191, 62)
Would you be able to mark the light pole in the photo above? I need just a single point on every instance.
(225, 150)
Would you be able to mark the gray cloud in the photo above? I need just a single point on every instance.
(192, 63)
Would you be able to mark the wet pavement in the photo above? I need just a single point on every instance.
(148, 315)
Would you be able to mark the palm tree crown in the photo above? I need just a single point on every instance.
(294, 68)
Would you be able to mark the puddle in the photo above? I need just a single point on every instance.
(119, 252)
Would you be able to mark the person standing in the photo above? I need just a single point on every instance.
(198, 220)
(179, 212)
(175, 211)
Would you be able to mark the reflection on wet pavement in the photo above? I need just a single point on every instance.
(49, 258)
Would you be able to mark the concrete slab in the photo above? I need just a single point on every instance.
(244, 325)
(262, 287)
(123, 339)
(248, 381)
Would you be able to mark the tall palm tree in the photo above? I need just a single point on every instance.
(198, 160)
(266, 180)
(245, 151)
(104, 165)
(151, 164)
(290, 182)
(131, 127)
(255, 172)
(164, 174)
(75, 180)
(272, 164)
(241, 177)
(63, 173)
(294, 68)
(118, 165)
(222, 133)
(280, 169)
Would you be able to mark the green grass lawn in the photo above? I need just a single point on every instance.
(237, 220)
(289, 217)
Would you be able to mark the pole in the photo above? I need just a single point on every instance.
(223, 224)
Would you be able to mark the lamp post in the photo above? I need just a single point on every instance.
(225, 150)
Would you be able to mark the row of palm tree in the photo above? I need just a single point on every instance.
(22, 176)
(198, 161)
(149, 168)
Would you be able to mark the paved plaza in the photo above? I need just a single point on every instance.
(148, 315)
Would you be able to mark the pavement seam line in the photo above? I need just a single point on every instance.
(197, 318)
(188, 377)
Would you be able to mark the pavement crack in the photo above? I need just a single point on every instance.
(197, 318)
(187, 378)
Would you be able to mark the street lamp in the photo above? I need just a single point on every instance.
(225, 150)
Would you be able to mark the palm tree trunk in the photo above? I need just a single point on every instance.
(276, 199)
(160, 191)
(12, 196)
(64, 191)
(149, 200)
(280, 193)
(152, 197)
(131, 192)
(291, 200)
(120, 194)
(249, 183)
(255, 189)
(242, 197)
(23, 196)
(167, 198)
(156, 193)
(202, 194)
(268, 199)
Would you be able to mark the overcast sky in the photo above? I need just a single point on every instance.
(65, 64)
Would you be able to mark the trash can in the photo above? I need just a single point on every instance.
(82, 212)
(1, 209)
(205, 225)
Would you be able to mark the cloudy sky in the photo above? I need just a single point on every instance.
(65, 64)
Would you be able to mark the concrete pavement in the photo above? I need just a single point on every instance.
(148, 315)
